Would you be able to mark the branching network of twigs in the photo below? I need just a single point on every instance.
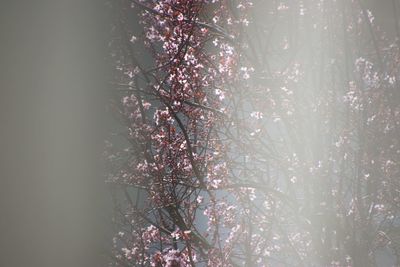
(254, 133)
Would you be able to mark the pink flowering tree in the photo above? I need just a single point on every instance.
(259, 133)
